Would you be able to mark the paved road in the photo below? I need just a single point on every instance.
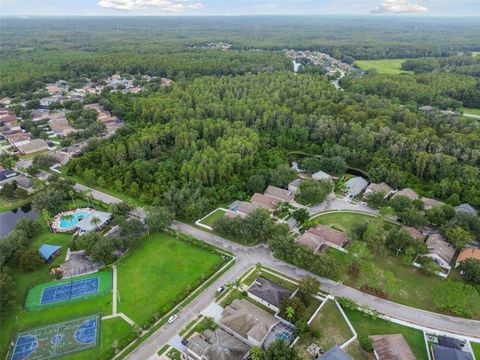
(97, 195)
(335, 203)
(472, 116)
(249, 256)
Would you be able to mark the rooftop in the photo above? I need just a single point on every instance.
(335, 353)
(247, 320)
(468, 253)
(446, 353)
(320, 175)
(311, 241)
(409, 193)
(265, 201)
(46, 250)
(414, 233)
(278, 193)
(87, 225)
(392, 347)
(437, 244)
(33, 146)
(269, 291)
(430, 203)
(217, 345)
(466, 208)
(377, 187)
(329, 235)
(356, 185)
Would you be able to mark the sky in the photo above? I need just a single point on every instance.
(238, 7)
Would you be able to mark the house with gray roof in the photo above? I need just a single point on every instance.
(335, 353)
(355, 186)
(466, 208)
(448, 353)
(440, 251)
(321, 175)
(216, 345)
(268, 293)
(24, 183)
(247, 321)
(293, 186)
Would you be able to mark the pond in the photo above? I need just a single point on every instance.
(8, 219)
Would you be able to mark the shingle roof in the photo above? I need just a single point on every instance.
(265, 201)
(335, 353)
(356, 185)
(468, 253)
(311, 241)
(449, 342)
(24, 182)
(47, 250)
(414, 233)
(33, 146)
(467, 208)
(377, 187)
(320, 175)
(445, 353)
(392, 347)
(430, 203)
(409, 193)
(217, 345)
(329, 235)
(269, 291)
(278, 193)
(437, 245)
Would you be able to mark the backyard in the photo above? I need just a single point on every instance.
(414, 287)
(331, 326)
(160, 272)
(210, 219)
(384, 66)
(366, 325)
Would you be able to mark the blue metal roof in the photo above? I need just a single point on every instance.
(48, 250)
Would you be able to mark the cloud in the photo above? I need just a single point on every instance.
(398, 7)
(172, 6)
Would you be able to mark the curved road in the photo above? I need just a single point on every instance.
(248, 256)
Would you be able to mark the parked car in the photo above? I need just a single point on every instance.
(221, 289)
(172, 318)
(184, 342)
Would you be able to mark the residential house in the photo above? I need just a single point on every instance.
(408, 193)
(429, 203)
(25, 183)
(293, 186)
(40, 114)
(18, 139)
(6, 175)
(449, 353)
(265, 201)
(60, 126)
(378, 187)
(465, 208)
(33, 146)
(440, 251)
(355, 186)
(216, 345)
(320, 236)
(166, 81)
(53, 89)
(312, 241)
(247, 321)
(268, 293)
(87, 224)
(320, 175)
(414, 233)
(391, 347)
(467, 253)
(335, 353)
(279, 194)
(243, 209)
(106, 117)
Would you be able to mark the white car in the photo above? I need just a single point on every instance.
(172, 318)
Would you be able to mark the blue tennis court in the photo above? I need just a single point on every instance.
(24, 347)
(69, 290)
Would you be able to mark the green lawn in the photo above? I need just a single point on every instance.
(12, 204)
(384, 66)
(332, 326)
(286, 284)
(471, 111)
(209, 220)
(476, 349)
(366, 325)
(476, 53)
(158, 274)
(343, 220)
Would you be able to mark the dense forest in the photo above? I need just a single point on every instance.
(199, 143)
(42, 49)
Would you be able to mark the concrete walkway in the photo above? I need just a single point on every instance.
(115, 292)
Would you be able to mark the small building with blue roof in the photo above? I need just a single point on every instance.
(48, 252)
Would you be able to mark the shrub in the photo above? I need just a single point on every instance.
(366, 343)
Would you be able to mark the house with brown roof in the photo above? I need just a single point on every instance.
(247, 321)
(429, 203)
(331, 236)
(60, 126)
(24, 183)
(53, 89)
(391, 347)
(216, 345)
(106, 117)
(312, 241)
(414, 233)
(243, 209)
(264, 201)
(33, 146)
(377, 187)
(408, 193)
(279, 194)
(440, 251)
(467, 253)
(18, 139)
(268, 293)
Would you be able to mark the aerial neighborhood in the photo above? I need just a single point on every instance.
(239, 187)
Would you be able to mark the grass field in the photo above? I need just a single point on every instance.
(471, 111)
(385, 66)
(476, 53)
(476, 349)
(152, 278)
(332, 326)
(7, 204)
(365, 325)
(209, 220)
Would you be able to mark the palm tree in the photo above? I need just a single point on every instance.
(95, 221)
(48, 218)
(290, 313)
(71, 193)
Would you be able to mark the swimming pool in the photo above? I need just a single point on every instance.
(68, 221)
